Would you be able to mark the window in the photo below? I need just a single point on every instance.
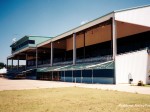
(31, 41)
(23, 44)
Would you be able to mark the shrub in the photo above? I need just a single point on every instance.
(140, 83)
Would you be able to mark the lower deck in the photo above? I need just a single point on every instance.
(81, 73)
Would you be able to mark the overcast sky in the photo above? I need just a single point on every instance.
(50, 17)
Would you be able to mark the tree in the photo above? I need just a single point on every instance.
(2, 65)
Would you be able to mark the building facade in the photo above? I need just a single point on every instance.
(111, 49)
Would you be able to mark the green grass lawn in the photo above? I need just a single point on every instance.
(71, 100)
(146, 85)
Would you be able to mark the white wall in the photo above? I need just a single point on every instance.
(148, 70)
(134, 63)
(140, 16)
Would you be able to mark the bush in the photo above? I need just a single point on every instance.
(140, 83)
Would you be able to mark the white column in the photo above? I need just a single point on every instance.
(26, 60)
(7, 63)
(18, 64)
(64, 76)
(81, 76)
(12, 63)
(74, 48)
(72, 75)
(51, 53)
(36, 57)
(114, 37)
(92, 76)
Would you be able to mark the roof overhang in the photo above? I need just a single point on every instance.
(21, 51)
(80, 28)
(136, 15)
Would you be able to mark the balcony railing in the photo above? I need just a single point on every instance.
(86, 60)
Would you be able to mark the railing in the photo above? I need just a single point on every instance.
(95, 59)
(63, 63)
(78, 61)
(87, 60)
(16, 70)
(44, 65)
(31, 67)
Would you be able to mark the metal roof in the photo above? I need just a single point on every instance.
(132, 8)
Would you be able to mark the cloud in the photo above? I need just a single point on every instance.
(14, 40)
(83, 22)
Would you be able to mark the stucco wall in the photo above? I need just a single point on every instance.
(148, 70)
(134, 63)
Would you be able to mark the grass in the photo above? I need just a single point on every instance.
(145, 85)
(71, 100)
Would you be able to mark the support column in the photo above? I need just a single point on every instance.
(72, 75)
(64, 77)
(26, 60)
(52, 76)
(114, 37)
(18, 64)
(51, 53)
(7, 63)
(84, 46)
(92, 76)
(12, 63)
(36, 57)
(81, 76)
(74, 48)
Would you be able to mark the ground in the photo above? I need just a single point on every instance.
(51, 97)
(6, 84)
(72, 99)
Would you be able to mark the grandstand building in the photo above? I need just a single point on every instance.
(111, 49)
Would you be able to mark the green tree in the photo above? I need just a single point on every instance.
(2, 65)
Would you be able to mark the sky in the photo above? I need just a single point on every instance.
(50, 17)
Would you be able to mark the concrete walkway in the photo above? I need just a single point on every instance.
(6, 84)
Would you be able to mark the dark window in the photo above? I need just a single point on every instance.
(23, 44)
(31, 41)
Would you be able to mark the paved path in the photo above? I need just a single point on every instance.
(6, 84)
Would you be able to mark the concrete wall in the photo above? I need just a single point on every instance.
(148, 70)
(134, 63)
